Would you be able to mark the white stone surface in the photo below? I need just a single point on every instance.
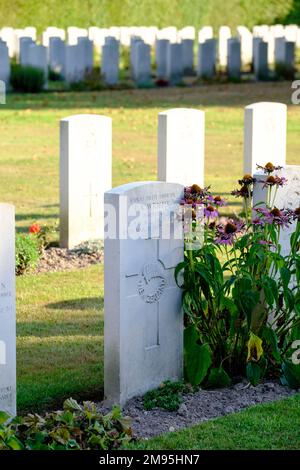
(4, 64)
(38, 57)
(260, 62)
(56, 54)
(7, 310)
(110, 61)
(234, 58)
(174, 62)
(24, 44)
(143, 327)
(245, 37)
(224, 35)
(187, 55)
(181, 136)
(287, 197)
(206, 66)
(205, 33)
(161, 48)
(280, 44)
(85, 174)
(141, 63)
(264, 135)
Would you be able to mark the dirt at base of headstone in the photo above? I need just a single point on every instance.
(200, 406)
(61, 259)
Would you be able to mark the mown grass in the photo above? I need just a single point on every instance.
(272, 426)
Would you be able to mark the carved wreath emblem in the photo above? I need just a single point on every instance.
(152, 283)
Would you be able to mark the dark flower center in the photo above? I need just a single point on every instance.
(210, 208)
(195, 189)
(217, 199)
(271, 179)
(230, 228)
(269, 166)
(297, 211)
(275, 212)
(244, 190)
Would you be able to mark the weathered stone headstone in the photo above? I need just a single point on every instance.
(280, 50)
(57, 54)
(85, 55)
(260, 64)
(71, 70)
(224, 35)
(187, 55)
(110, 61)
(161, 47)
(85, 174)
(143, 328)
(181, 136)
(287, 197)
(7, 310)
(174, 63)
(234, 58)
(37, 57)
(264, 135)
(207, 59)
(141, 63)
(4, 64)
(24, 44)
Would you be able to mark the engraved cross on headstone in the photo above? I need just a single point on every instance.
(92, 196)
(153, 281)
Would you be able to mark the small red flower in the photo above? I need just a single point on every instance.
(34, 228)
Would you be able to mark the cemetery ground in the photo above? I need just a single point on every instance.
(60, 315)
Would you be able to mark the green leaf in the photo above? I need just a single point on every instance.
(4, 417)
(254, 373)
(218, 378)
(291, 373)
(197, 357)
(14, 443)
(271, 338)
(285, 277)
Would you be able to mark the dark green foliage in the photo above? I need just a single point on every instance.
(167, 396)
(27, 79)
(284, 72)
(27, 252)
(77, 427)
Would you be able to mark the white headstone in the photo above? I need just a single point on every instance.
(280, 50)
(24, 44)
(205, 33)
(4, 64)
(161, 47)
(234, 58)
(287, 197)
(143, 328)
(174, 62)
(141, 63)
(187, 55)
(7, 310)
(207, 59)
(224, 35)
(57, 54)
(72, 71)
(264, 135)
(260, 63)
(85, 55)
(245, 37)
(181, 134)
(85, 174)
(38, 57)
(110, 62)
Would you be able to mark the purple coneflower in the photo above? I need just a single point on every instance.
(268, 168)
(211, 212)
(227, 233)
(275, 216)
(246, 180)
(274, 181)
(244, 192)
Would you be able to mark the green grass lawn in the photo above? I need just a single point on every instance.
(271, 426)
(60, 315)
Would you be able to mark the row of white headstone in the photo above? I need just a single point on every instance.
(151, 33)
(86, 159)
(143, 328)
(174, 52)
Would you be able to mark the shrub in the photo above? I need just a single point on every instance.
(27, 79)
(27, 252)
(76, 427)
(241, 294)
(284, 71)
(92, 81)
(167, 396)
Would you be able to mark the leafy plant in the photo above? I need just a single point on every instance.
(27, 252)
(27, 79)
(168, 396)
(76, 427)
(241, 293)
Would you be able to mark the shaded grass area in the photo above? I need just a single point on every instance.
(271, 426)
(29, 148)
(59, 337)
